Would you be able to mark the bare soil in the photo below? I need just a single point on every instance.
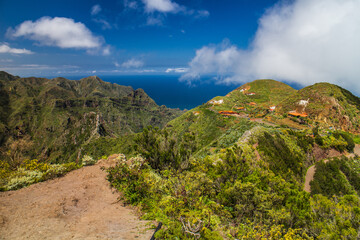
(80, 205)
(309, 177)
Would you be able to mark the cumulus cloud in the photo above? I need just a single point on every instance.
(5, 48)
(96, 9)
(221, 59)
(58, 31)
(305, 41)
(132, 63)
(165, 6)
(157, 10)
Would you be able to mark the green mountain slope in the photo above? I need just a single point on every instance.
(328, 105)
(207, 123)
(51, 119)
(234, 168)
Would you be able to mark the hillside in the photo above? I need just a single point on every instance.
(235, 167)
(50, 119)
(265, 161)
(328, 106)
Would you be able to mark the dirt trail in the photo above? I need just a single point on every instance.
(308, 178)
(80, 205)
(311, 171)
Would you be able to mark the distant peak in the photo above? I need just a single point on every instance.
(7, 76)
(92, 78)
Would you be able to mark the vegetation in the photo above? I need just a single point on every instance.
(243, 179)
(30, 172)
(232, 194)
(205, 175)
(53, 119)
(88, 160)
(339, 176)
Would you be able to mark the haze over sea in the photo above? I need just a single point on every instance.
(169, 91)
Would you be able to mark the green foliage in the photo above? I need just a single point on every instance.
(31, 171)
(336, 177)
(88, 160)
(335, 218)
(60, 117)
(162, 150)
(283, 158)
(350, 144)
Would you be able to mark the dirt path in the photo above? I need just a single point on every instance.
(309, 177)
(80, 205)
(311, 171)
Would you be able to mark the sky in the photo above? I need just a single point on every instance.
(236, 41)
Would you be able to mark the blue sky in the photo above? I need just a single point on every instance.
(300, 41)
(154, 39)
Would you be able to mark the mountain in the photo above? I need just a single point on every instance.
(327, 105)
(238, 166)
(265, 161)
(51, 119)
(271, 102)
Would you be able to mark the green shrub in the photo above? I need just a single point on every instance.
(331, 178)
(33, 171)
(88, 160)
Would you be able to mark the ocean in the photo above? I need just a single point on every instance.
(169, 91)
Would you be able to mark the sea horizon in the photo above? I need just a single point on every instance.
(168, 90)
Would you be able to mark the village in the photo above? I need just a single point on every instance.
(247, 109)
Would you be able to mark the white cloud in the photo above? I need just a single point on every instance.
(106, 50)
(202, 14)
(306, 42)
(5, 48)
(169, 6)
(104, 24)
(154, 21)
(96, 9)
(117, 64)
(60, 32)
(222, 59)
(176, 70)
(6, 60)
(133, 63)
(164, 6)
(130, 4)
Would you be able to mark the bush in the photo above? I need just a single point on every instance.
(88, 160)
(33, 171)
(329, 178)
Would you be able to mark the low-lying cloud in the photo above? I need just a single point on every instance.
(176, 70)
(306, 41)
(133, 63)
(58, 31)
(5, 48)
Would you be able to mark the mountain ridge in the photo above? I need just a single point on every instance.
(53, 114)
